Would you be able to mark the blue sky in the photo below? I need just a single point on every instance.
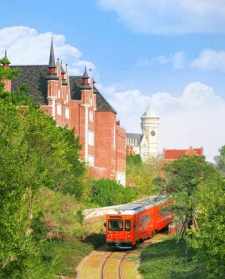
(101, 35)
(139, 46)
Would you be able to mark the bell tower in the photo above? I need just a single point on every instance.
(150, 135)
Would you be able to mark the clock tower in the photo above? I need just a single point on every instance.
(150, 135)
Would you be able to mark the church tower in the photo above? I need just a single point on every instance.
(150, 135)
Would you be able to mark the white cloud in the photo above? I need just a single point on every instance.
(210, 60)
(170, 17)
(28, 46)
(176, 60)
(193, 118)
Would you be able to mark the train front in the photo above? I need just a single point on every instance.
(119, 231)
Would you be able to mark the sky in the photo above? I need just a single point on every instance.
(166, 54)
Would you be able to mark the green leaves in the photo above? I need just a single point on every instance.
(106, 192)
(34, 153)
(198, 190)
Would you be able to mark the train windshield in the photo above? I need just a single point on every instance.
(115, 225)
(127, 225)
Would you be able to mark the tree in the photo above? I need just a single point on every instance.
(181, 180)
(209, 238)
(34, 153)
(141, 175)
(107, 192)
(220, 160)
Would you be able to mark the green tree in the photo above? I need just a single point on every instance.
(34, 153)
(181, 180)
(220, 160)
(107, 192)
(141, 175)
(209, 237)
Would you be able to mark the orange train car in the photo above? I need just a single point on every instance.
(137, 221)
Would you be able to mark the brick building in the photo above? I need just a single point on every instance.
(75, 102)
(175, 154)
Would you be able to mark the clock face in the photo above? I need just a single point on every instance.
(153, 133)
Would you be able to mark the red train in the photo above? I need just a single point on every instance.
(137, 221)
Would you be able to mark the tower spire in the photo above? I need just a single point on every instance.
(52, 73)
(85, 79)
(85, 74)
(52, 55)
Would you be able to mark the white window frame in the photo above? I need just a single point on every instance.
(59, 109)
(91, 138)
(91, 116)
(67, 113)
(59, 94)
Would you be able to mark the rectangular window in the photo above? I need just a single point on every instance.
(127, 225)
(91, 137)
(114, 137)
(115, 225)
(67, 113)
(91, 116)
(59, 109)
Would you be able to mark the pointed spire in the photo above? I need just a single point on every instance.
(85, 78)
(85, 74)
(52, 55)
(52, 73)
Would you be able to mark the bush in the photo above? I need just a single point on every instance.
(106, 192)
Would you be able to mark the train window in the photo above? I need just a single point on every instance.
(115, 225)
(127, 225)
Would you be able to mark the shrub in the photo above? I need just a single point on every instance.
(106, 192)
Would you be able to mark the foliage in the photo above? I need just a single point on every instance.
(198, 191)
(220, 160)
(68, 240)
(141, 175)
(182, 179)
(209, 238)
(106, 192)
(134, 160)
(34, 152)
(64, 255)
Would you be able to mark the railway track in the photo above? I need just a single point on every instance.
(104, 264)
(112, 265)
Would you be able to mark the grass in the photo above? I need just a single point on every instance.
(168, 260)
(64, 256)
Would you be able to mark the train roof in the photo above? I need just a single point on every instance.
(133, 208)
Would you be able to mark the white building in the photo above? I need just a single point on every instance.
(147, 143)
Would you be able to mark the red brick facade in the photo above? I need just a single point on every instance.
(102, 139)
(175, 154)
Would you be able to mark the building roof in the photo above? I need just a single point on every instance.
(149, 113)
(101, 103)
(174, 154)
(34, 78)
(134, 207)
(134, 136)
